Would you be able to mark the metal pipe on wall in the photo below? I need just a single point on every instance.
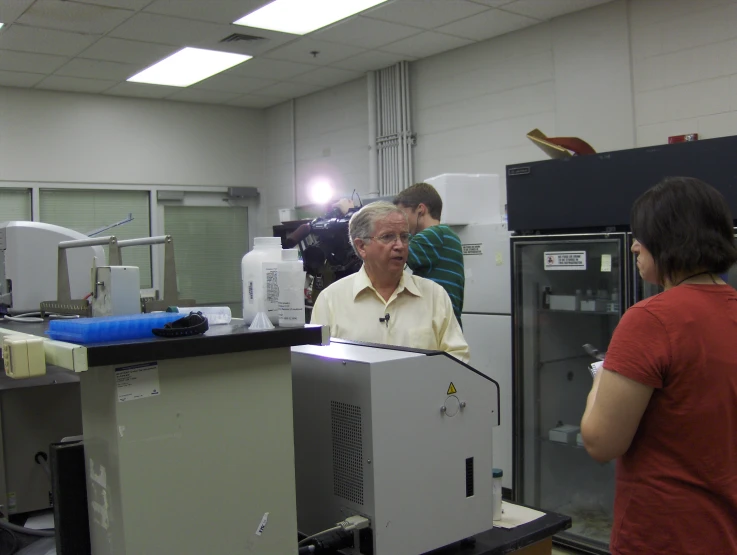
(373, 182)
(403, 134)
(408, 123)
(294, 153)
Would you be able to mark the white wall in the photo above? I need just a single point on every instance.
(279, 172)
(331, 141)
(473, 106)
(684, 59)
(89, 139)
(69, 137)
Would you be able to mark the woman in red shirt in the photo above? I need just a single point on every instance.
(665, 401)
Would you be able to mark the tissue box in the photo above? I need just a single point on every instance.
(596, 305)
(562, 302)
(564, 434)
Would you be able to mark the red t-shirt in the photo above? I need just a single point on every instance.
(676, 487)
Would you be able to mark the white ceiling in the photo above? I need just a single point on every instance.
(93, 46)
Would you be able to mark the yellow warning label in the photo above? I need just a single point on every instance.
(452, 389)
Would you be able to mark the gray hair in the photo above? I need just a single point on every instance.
(362, 223)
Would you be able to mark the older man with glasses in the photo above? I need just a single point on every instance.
(382, 303)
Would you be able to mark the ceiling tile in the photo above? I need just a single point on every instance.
(328, 77)
(10, 10)
(548, 10)
(289, 90)
(215, 11)
(171, 30)
(97, 69)
(371, 61)
(427, 14)
(126, 51)
(497, 3)
(27, 62)
(366, 33)
(254, 45)
(19, 79)
(488, 24)
(70, 16)
(198, 95)
(255, 101)
(300, 51)
(426, 44)
(141, 90)
(127, 4)
(233, 83)
(44, 41)
(270, 69)
(75, 84)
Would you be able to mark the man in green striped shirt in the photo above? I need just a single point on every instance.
(435, 250)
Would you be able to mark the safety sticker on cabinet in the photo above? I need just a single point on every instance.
(137, 381)
(452, 389)
(472, 249)
(565, 260)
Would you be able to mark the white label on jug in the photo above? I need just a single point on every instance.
(272, 286)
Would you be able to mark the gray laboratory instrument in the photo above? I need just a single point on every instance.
(401, 437)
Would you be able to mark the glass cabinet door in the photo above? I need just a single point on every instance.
(641, 289)
(732, 276)
(567, 291)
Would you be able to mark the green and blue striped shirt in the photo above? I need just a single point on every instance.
(435, 253)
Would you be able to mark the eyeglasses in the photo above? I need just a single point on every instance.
(391, 238)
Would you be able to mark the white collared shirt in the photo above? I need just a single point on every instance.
(420, 314)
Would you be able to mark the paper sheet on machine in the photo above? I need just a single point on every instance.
(516, 515)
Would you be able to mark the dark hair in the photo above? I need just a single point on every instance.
(421, 193)
(686, 225)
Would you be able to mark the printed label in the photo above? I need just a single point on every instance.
(250, 291)
(262, 525)
(137, 382)
(473, 249)
(606, 262)
(565, 260)
(272, 286)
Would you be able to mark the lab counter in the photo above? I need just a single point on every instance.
(221, 339)
(180, 432)
(533, 538)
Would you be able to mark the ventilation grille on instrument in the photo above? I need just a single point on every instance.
(347, 451)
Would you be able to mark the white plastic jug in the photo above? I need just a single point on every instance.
(291, 281)
(265, 255)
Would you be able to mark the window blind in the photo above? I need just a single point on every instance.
(15, 204)
(88, 210)
(209, 243)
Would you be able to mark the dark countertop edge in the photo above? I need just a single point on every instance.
(560, 524)
(522, 536)
(207, 345)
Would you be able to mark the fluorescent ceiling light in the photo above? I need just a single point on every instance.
(300, 17)
(188, 66)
